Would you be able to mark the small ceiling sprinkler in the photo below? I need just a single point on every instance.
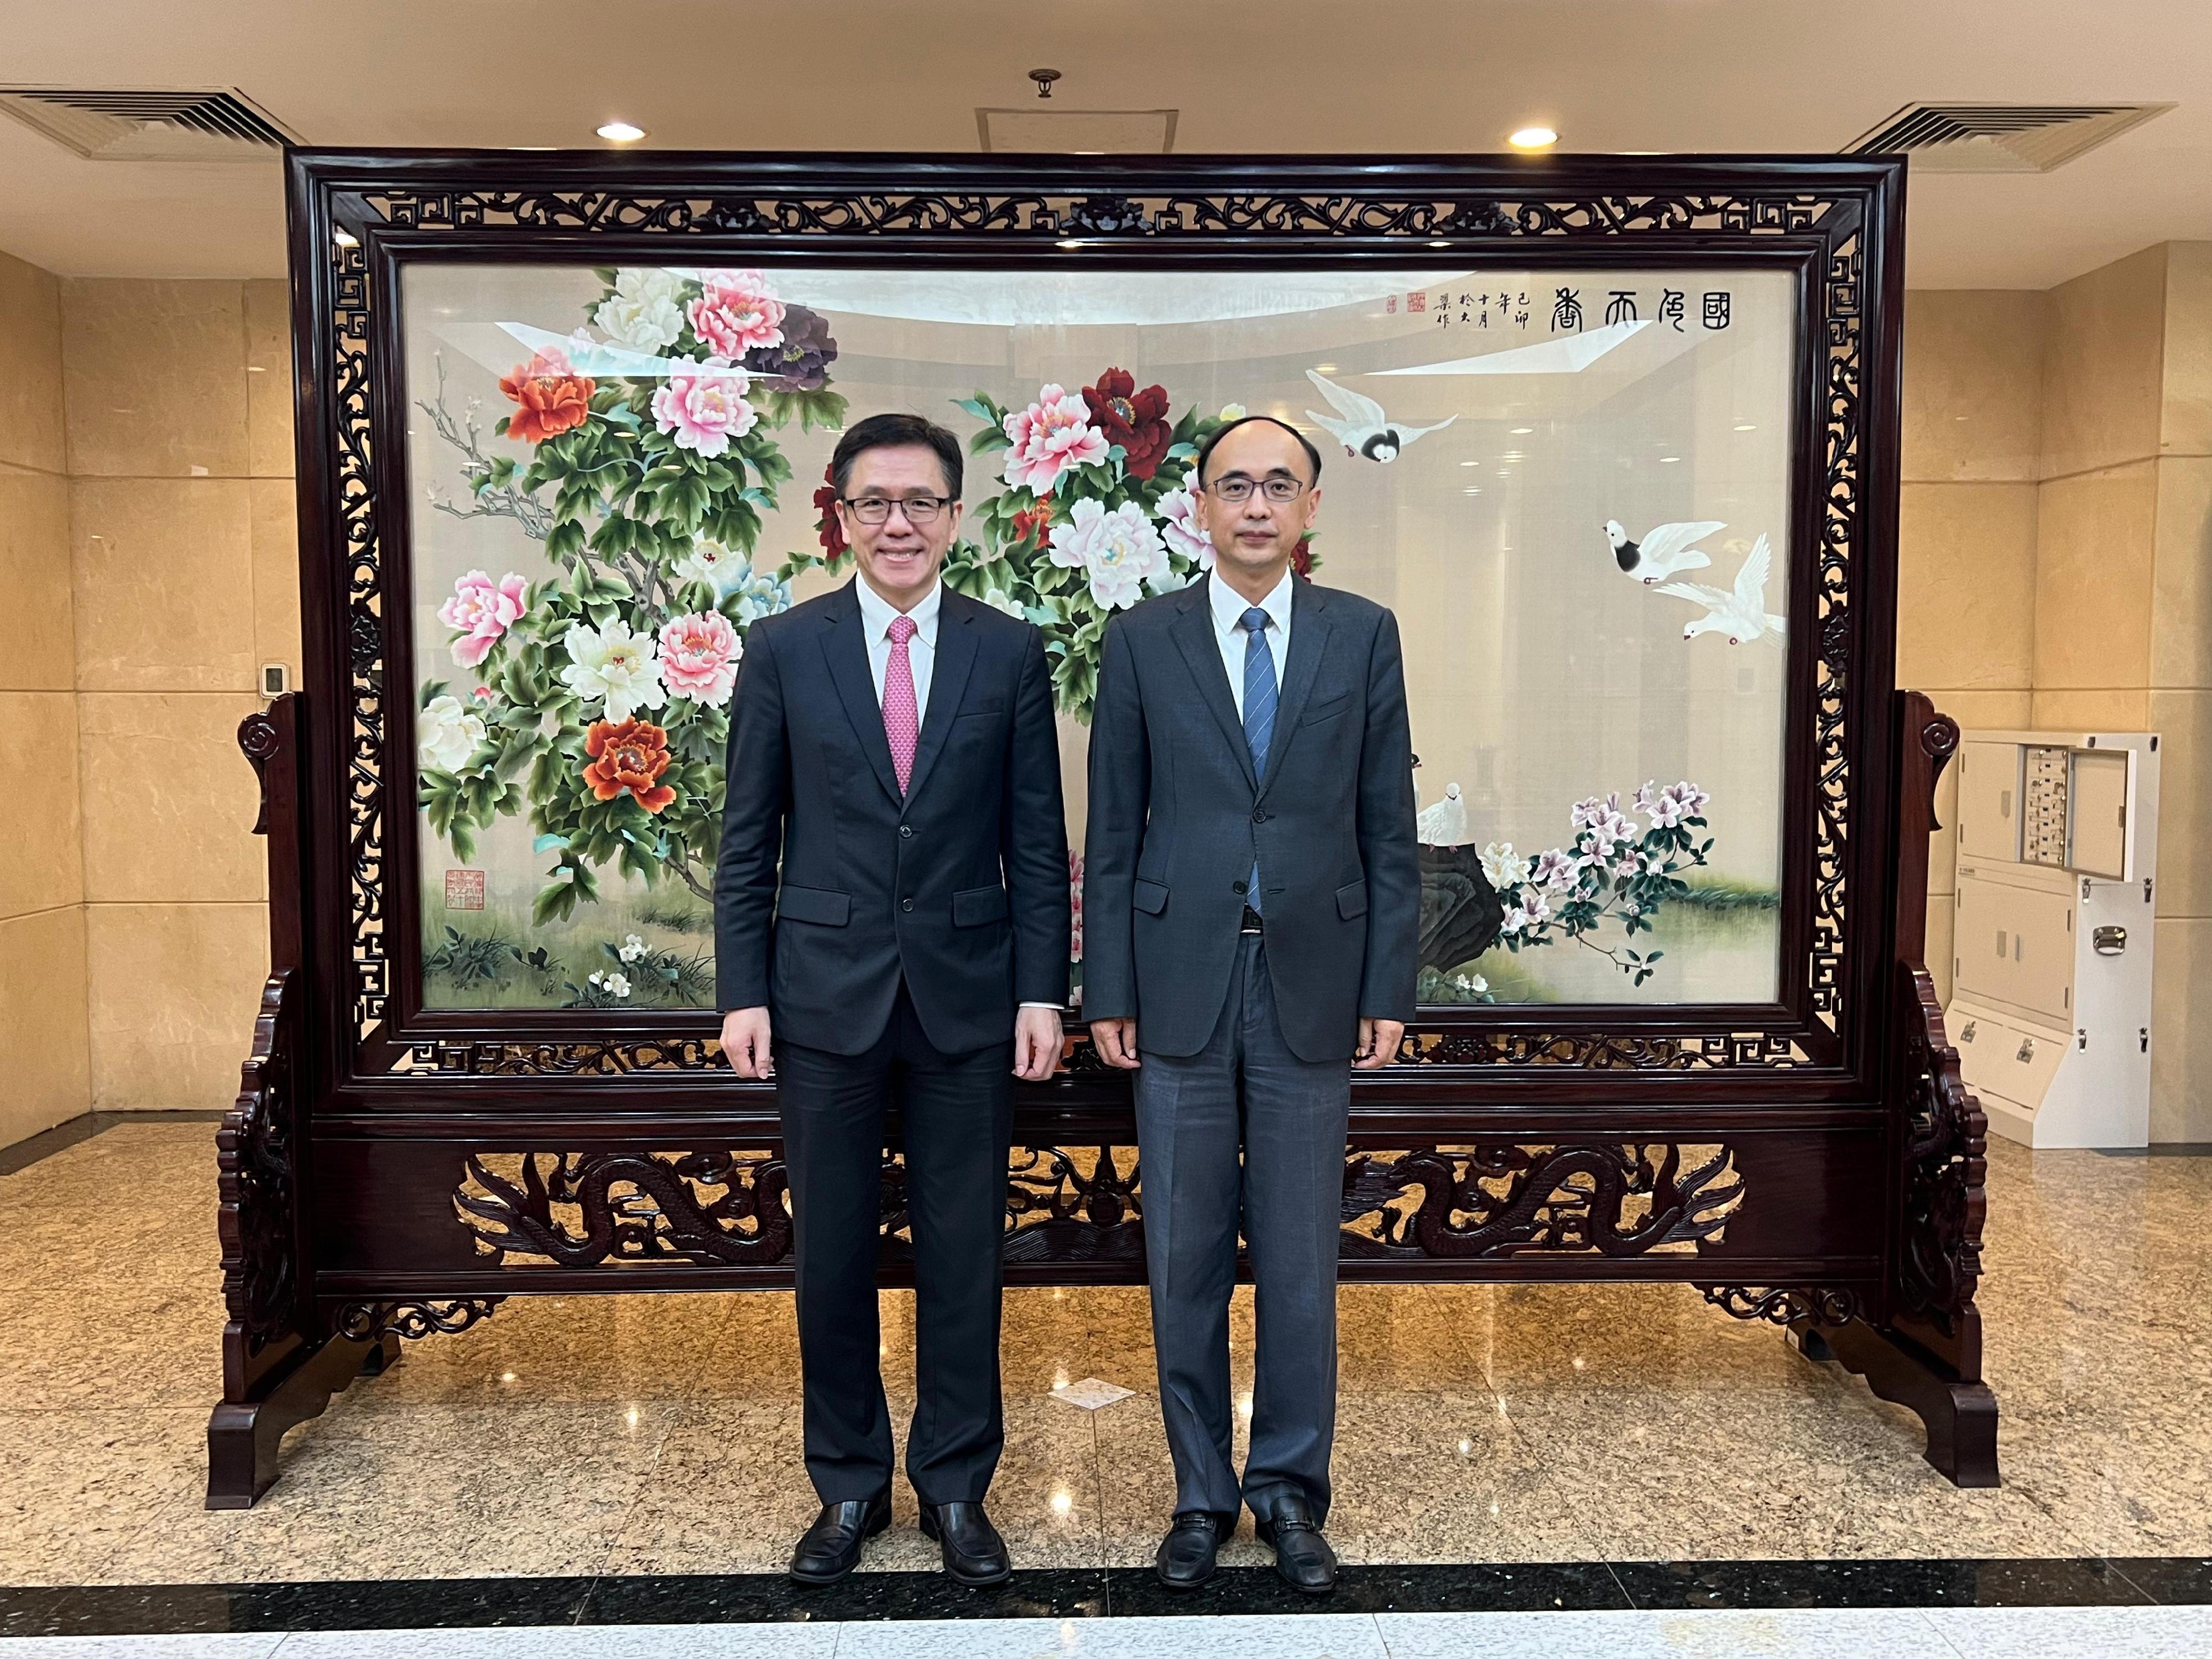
(1044, 78)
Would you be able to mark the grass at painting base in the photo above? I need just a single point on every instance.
(493, 958)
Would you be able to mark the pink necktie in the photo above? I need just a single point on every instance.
(901, 722)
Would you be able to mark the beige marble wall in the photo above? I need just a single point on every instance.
(42, 956)
(1968, 527)
(182, 566)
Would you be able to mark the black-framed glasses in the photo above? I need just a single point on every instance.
(876, 509)
(1236, 491)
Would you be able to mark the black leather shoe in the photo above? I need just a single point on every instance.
(974, 1553)
(1303, 1556)
(1186, 1557)
(830, 1548)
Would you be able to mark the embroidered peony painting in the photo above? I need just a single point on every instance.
(616, 474)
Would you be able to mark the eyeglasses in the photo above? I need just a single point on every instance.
(919, 509)
(1236, 491)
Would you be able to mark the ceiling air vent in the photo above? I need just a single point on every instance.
(2000, 137)
(1078, 131)
(149, 127)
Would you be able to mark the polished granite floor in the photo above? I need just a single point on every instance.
(640, 1435)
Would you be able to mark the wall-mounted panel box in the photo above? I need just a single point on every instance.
(2051, 952)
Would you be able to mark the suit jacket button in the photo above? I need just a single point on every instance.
(906, 904)
(1259, 818)
(906, 832)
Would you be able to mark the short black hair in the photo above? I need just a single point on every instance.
(896, 432)
(1205, 449)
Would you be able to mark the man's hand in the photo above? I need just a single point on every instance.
(744, 1043)
(1116, 1041)
(1378, 1042)
(1037, 1043)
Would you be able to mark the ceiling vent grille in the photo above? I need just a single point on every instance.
(148, 125)
(2000, 137)
(1078, 132)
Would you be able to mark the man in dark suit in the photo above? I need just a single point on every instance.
(892, 744)
(1252, 908)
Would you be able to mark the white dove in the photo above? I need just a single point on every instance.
(1741, 615)
(1366, 429)
(1663, 552)
(1444, 824)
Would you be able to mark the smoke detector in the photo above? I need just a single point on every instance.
(1999, 137)
(199, 125)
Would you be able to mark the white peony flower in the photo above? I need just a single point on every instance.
(447, 735)
(1503, 866)
(632, 948)
(617, 986)
(998, 600)
(1121, 551)
(710, 561)
(643, 311)
(1234, 411)
(615, 664)
(760, 595)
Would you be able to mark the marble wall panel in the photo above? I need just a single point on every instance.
(276, 534)
(169, 802)
(38, 640)
(42, 1021)
(2181, 585)
(2183, 720)
(268, 378)
(174, 988)
(1966, 586)
(2185, 426)
(2094, 544)
(2122, 709)
(1974, 385)
(31, 433)
(2102, 397)
(163, 572)
(155, 378)
(2181, 1031)
(43, 867)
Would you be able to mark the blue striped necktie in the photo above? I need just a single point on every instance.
(1259, 695)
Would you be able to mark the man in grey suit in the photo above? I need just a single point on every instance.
(1252, 899)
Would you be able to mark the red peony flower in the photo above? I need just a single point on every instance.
(1301, 556)
(1135, 420)
(631, 755)
(1029, 520)
(827, 524)
(552, 398)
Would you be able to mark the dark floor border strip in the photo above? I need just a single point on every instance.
(1094, 1592)
(15, 1159)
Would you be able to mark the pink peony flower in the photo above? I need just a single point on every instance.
(699, 657)
(1051, 436)
(703, 409)
(735, 312)
(1178, 530)
(480, 611)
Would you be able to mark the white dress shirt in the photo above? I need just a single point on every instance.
(1228, 609)
(876, 614)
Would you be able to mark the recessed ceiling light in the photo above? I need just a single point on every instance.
(1470, 463)
(1533, 138)
(1667, 460)
(621, 132)
(1324, 368)
(1472, 489)
(1746, 426)
(1522, 431)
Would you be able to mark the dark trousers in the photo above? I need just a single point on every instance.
(1244, 1088)
(958, 1116)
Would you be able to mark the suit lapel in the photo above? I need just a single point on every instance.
(948, 678)
(1194, 637)
(844, 646)
(1309, 639)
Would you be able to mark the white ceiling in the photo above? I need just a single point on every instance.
(1764, 76)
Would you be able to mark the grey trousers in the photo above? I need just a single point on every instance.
(1245, 1087)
